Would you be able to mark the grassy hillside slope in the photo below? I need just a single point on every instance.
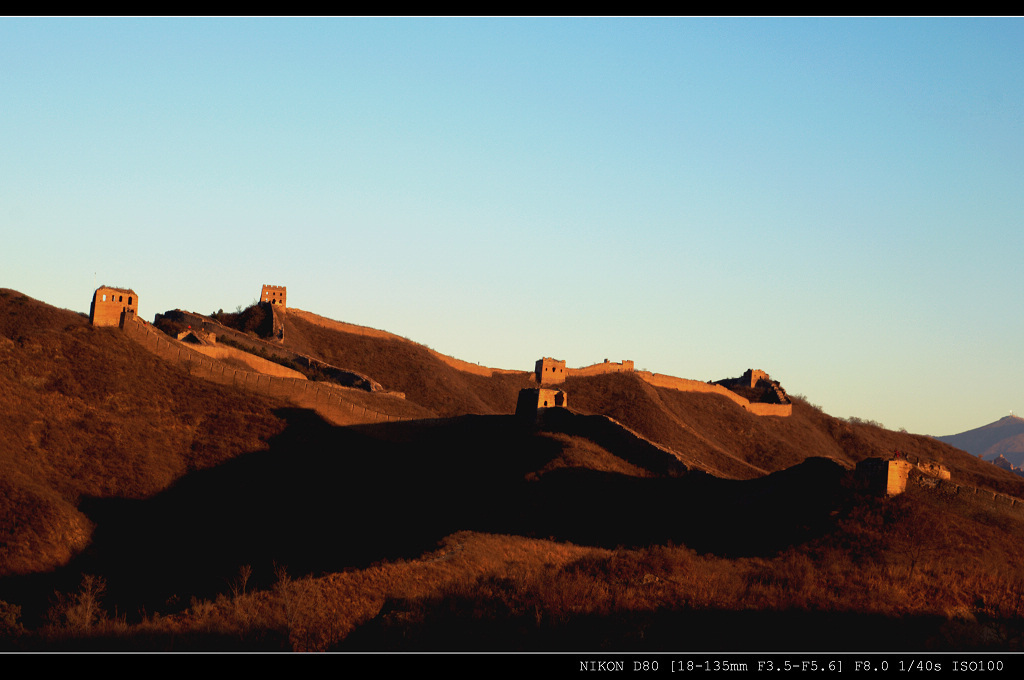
(708, 432)
(405, 366)
(90, 413)
(209, 518)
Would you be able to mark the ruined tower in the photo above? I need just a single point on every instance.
(753, 375)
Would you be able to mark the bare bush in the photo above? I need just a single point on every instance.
(79, 612)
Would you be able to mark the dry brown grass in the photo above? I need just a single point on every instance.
(405, 366)
(543, 540)
(90, 413)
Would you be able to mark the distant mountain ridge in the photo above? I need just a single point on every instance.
(1004, 437)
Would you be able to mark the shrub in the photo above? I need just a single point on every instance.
(80, 611)
(9, 624)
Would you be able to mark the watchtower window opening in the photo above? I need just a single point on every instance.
(129, 299)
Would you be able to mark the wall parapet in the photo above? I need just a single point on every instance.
(624, 366)
(341, 376)
(366, 331)
(547, 367)
(685, 385)
(257, 364)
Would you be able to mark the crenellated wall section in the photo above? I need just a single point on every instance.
(333, 403)
(338, 375)
(600, 369)
(342, 327)
(684, 385)
(671, 382)
(258, 364)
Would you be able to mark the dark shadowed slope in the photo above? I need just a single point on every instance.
(324, 499)
(88, 412)
(169, 488)
(706, 431)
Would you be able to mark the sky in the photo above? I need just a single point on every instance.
(836, 201)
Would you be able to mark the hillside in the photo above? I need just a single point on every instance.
(211, 517)
(405, 366)
(88, 413)
(1004, 437)
(708, 432)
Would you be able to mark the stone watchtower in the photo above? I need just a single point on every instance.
(550, 371)
(111, 306)
(884, 477)
(533, 402)
(275, 295)
(754, 375)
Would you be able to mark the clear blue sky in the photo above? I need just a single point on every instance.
(836, 201)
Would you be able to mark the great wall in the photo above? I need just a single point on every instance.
(274, 350)
(341, 326)
(204, 357)
(333, 402)
(339, 405)
(550, 371)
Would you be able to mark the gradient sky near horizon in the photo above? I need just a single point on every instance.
(836, 201)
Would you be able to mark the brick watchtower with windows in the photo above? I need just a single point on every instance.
(275, 295)
(550, 371)
(535, 402)
(110, 306)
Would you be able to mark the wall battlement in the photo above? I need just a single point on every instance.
(624, 366)
(343, 377)
(342, 327)
(326, 399)
(889, 477)
(684, 385)
(754, 379)
(549, 371)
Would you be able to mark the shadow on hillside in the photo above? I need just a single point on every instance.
(458, 626)
(324, 498)
(710, 515)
